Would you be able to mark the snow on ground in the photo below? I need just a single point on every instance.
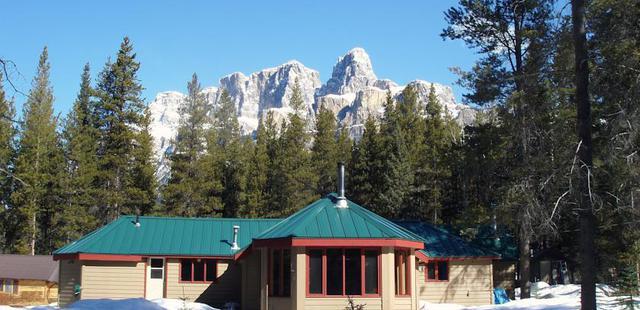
(124, 304)
(546, 297)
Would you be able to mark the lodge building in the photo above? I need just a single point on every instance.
(315, 259)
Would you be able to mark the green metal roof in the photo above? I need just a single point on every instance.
(440, 243)
(500, 241)
(169, 236)
(322, 219)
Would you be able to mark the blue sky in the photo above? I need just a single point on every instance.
(173, 39)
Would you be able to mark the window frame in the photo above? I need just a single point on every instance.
(437, 270)
(324, 272)
(13, 284)
(191, 259)
(281, 291)
(407, 273)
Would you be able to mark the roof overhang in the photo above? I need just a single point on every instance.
(338, 242)
(98, 257)
(424, 258)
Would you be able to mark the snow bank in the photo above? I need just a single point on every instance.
(124, 304)
(546, 297)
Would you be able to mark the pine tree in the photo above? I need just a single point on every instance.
(120, 114)
(396, 174)
(294, 181)
(39, 166)
(7, 158)
(262, 170)
(184, 192)
(431, 169)
(366, 166)
(231, 166)
(324, 152)
(141, 181)
(80, 137)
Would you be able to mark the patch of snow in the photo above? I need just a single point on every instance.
(546, 297)
(123, 304)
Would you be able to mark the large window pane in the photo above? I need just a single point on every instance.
(276, 259)
(371, 272)
(334, 272)
(431, 271)
(315, 271)
(211, 269)
(443, 271)
(353, 272)
(286, 272)
(198, 270)
(185, 270)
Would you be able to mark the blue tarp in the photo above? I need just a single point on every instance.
(500, 296)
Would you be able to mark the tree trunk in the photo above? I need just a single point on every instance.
(525, 262)
(585, 211)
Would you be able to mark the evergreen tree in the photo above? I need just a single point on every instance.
(514, 38)
(120, 114)
(141, 181)
(232, 164)
(396, 175)
(431, 169)
(184, 192)
(80, 148)
(40, 167)
(262, 172)
(7, 158)
(294, 181)
(324, 152)
(366, 165)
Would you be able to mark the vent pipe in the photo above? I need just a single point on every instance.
(342, 200)
(234, 245)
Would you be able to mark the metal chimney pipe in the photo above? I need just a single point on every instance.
(234, 245)
(342, 200)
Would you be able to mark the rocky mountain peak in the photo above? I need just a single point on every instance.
(352, 72)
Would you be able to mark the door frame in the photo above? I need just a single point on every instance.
(147, 274)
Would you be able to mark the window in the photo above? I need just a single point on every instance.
(342, 272)
(437, 271)
(280, 275)
(402, 273)
(316, 270)
(371, 272)
(157, 268)
(9, 286)
(197, 270)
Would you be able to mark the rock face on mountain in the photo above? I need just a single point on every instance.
(353, 93)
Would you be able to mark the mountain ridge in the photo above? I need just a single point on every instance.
(353, 93)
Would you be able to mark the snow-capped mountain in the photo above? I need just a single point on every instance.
(353, 93)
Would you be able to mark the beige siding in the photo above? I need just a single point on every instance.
(402, 303)
(69, 276)
(341, 303)
(226, 287)
(470, 283)
(251, 281)
(115, 280)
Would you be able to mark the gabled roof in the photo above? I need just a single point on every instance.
(322, 219)
(28, 267)
(169, 236)
(439, 243)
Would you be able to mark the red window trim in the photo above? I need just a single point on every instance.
(281, 292)
(407, 265)
(436, 261)
(215, 269)
(362, 274)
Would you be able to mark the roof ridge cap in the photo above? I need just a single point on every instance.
(360, 209)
